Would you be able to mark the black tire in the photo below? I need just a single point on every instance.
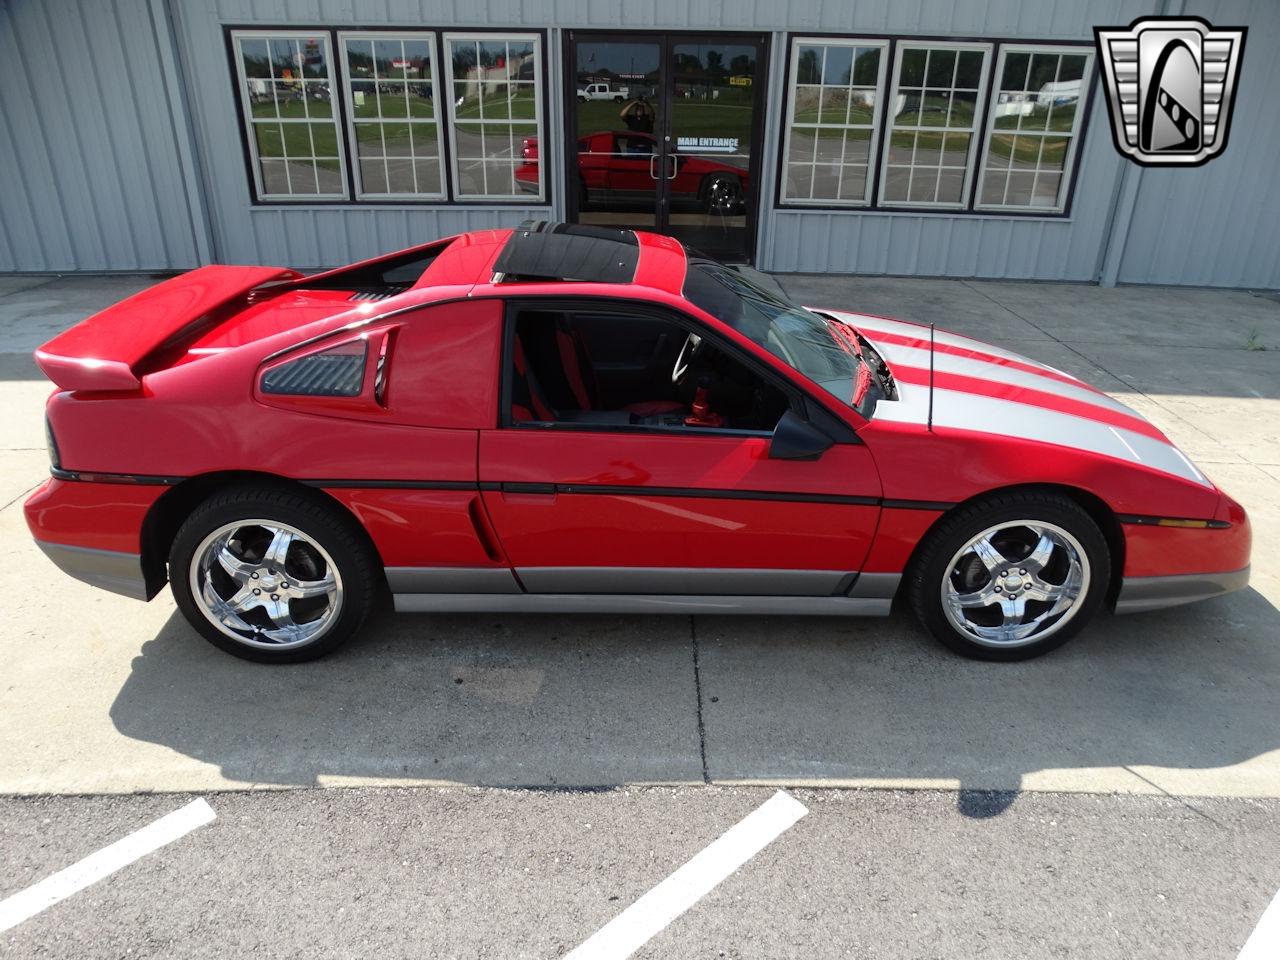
(358, 566)
(925, 576)
(618, 99)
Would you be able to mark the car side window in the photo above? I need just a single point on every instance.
(634, 146)
(598, 369)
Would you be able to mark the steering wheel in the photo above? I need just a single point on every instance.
(687, 352)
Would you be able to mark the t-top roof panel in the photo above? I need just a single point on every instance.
(542, 250)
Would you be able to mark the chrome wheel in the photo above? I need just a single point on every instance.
(265, 584)
(1015, 583)
(724, 195)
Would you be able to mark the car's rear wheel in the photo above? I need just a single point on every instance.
(722, 193)
(272, 575)
(1011, 576)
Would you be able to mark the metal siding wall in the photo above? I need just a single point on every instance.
(309, 236)
(1219, 224)
(935, 244)
(92, 167)
(789, 240)
(88, 157)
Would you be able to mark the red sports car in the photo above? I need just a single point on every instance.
(565, 418)
(620, 169)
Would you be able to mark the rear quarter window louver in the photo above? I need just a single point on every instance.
(334, 373)
(382, 293)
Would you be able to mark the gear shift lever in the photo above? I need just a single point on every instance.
(701, 415)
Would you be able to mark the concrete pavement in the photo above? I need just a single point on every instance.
(101, 694)
(521, 874)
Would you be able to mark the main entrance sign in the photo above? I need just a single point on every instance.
(672, 148)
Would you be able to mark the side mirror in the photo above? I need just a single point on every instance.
(797, 439)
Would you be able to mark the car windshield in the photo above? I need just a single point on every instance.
(799, 338)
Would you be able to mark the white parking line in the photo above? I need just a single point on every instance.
(26, 904)
(636, 925)
(1264, 942)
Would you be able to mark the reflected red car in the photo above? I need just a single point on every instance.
(576, 419)
(622, 168)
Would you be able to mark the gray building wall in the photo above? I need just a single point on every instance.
(91, 168)
(133, 160)
(1219, 225)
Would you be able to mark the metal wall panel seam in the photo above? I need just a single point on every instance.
(177, 96)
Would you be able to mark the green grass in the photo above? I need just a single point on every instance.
(1058, 118)
(393, 106)
(1027, 149)
(520, 104)
(729, 115)
(297, 140)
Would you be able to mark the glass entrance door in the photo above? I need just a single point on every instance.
(663, 135)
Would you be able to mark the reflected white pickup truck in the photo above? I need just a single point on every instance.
(603, 91)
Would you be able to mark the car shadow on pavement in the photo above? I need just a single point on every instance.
(590, 702)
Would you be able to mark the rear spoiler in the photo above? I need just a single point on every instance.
(103, 352)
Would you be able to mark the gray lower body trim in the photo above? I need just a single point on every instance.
(1138, 594)
(109, 569)
(634, 603)
(451, 580)
(690, 581)
(876, 586)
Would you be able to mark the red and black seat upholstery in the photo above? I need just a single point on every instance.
(568, 378)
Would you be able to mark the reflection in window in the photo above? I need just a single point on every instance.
(390, 95)
(494, 84)
(286, 87)
(1035, 118)
(832, 119)
(932, 127)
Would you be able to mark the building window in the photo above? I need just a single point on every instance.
(391, 96)
(1032, 128)
(495, 115)
(286, 90)
(934, 107)
(833, 119)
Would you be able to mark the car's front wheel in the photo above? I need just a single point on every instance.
(272, 575)
(1011, 576)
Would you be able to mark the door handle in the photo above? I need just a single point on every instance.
(653, 166)
(528, 493)
(675, 164)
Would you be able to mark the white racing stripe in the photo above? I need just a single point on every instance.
(884, 324)
(635, 926)
(27, 903)
(1008, 418)
(997, 373)
(1264, 942)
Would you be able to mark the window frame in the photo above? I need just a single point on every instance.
(349, 200)
(1075, 136)
(798, 399)
(877, 120)
(248, 125)
(539, 115)
(979, 118)
(353, 143)
(780, 204)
